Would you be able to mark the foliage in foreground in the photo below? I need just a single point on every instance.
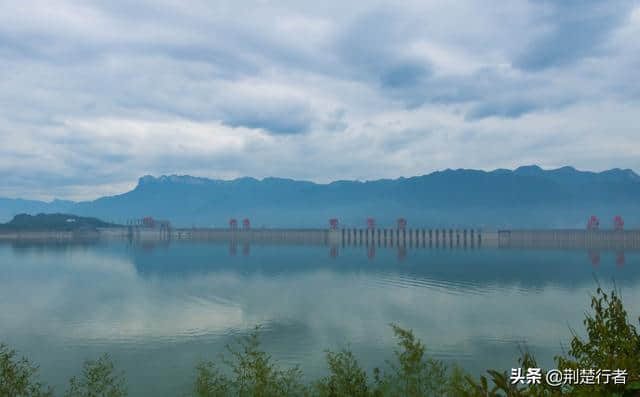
(18, 376)
(611, 342)
(412, 373)
(99, 379)
(254, 373)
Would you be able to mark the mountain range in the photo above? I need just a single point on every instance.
(528, 196)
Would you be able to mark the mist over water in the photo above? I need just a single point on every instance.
(159, 308)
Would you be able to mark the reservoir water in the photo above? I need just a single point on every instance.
(160, 308)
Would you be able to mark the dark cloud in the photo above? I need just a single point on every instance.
(574, 30)
(509, 109)
(292, 118)
(336, 121)
(407, 82)
(367, 46)
(517, 100)
(404, 76)
(371, 49)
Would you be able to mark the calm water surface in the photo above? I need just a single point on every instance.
(158, 309)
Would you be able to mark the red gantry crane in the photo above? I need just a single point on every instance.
(618, 223)
(371, 223)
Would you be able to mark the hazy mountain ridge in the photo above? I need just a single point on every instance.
(525, 197)
(11, 207)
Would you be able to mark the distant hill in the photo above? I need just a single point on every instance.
(526, 197)
(62, 222)
(11, 207)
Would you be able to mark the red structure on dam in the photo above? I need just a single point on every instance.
(593, 223)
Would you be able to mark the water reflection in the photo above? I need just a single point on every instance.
(594, 256)
(158, 308)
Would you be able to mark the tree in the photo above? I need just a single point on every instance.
(412, 373)
(253, 374)
(98, 379)
(18, 376)
(346, 378)
(612, 343)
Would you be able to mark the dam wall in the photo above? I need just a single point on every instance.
(379, 237)
(590, 239)
(294, 236)
(472, 238)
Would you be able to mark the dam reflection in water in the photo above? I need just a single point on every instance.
(159, 307)
(244, 248)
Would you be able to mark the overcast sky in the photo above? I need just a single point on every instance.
(95, 94)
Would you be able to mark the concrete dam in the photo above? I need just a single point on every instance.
(394, 237)
(370, 239)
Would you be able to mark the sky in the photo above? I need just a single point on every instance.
(95, 94)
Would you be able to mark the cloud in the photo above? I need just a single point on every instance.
(97, 94)
(283, 120)
(269, 109)
(572, 30)
(406, 75)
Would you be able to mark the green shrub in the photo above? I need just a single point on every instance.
(346, 378)
(18, 376)
(412, 374)
(98, 379)
(253, 373)
(611, 343)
